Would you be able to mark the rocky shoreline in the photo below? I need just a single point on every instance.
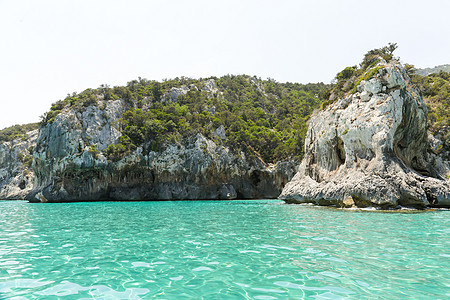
(369, 148)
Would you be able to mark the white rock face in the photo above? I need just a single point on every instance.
(210, 86)
(68, 140)
(16, 179)
(99, 124)
(370, 149)
(174, 93)
(220, 132)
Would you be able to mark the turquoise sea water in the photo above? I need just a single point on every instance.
(220, 250)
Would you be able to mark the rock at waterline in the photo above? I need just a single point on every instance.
(370, 148)
(67, 168)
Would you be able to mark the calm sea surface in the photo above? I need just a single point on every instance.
(220, 250)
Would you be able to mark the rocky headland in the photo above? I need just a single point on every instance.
(370, 147)
(68, 169)
(368, 144)
(98, 146)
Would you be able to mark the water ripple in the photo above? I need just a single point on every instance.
(219, 250)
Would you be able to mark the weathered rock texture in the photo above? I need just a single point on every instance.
(370, 148)
(67, 168)
(16, 175)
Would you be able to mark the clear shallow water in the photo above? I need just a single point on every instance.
(219, 250)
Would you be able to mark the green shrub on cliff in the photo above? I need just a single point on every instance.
(16, 132)
(349, 78)
(93, 151)
(435, 89)
(26, 159)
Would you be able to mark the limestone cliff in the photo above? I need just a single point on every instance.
(370, 148)
(16, 175)
(69, 168)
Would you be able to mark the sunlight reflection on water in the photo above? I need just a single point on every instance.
(227, 249)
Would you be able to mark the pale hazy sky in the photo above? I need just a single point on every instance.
(51, 48)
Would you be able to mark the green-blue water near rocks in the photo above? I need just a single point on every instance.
(219, 250)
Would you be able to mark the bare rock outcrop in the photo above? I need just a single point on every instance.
(370, 148)
(16, 174)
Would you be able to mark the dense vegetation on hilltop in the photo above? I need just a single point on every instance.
(435, 89)
(437, 69)
(436, 92)
(16, 132)
(262, 118)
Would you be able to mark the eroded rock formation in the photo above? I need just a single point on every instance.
(16, 175)
(370, 148)
(67, 168)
